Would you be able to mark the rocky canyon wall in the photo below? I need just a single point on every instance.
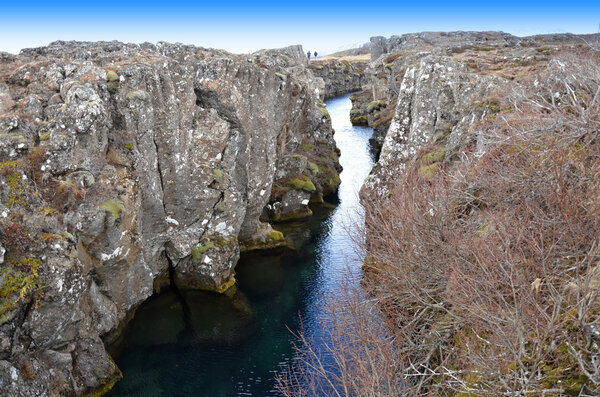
(431, 89)
(340, 75)
(125, 168)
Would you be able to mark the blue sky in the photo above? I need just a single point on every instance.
(242, 26)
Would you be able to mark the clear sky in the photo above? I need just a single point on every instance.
(245, 26)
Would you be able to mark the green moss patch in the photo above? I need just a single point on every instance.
(217, 174)
(276, 236)
(138, 94)
(223, 242)
(306, 147)
(266, 239)
(359, 120)
(428, 171)
(302, 183)
(226, 285)
(18, 282)
(325, 113)
(44, 136)
(291, 216)
(114, 207)
(330, 180)
(200, 249)
(433, 157)
(17, 194)
(111, 75)
(12, 138)
(375, 105)
(113, 86)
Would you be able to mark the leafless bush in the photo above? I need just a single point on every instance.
(487, 275)
(355, 355)
(476, 265)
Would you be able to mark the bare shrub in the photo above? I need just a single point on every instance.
(355, 355)
(484, 276)
(488, 272)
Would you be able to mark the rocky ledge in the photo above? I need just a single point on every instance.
(431, 87)
(340, 75)
(125, 168)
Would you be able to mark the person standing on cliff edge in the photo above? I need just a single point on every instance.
(308, 55)
(315, 55)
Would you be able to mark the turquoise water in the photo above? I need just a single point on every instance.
(204, 344)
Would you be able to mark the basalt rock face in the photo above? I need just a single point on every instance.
(424, 41)
(340, 76)
(437, 103)
(427, 92)
(127, 167)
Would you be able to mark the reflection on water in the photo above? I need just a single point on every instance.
(204, 344)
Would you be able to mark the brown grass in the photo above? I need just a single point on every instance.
(487, 275)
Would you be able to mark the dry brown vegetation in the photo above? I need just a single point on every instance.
(487, 274)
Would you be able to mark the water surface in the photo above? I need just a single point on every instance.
(204, 344)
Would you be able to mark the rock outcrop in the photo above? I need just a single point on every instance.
(485, 128)
(340, 76)
(124, 168)
(437, 103)
(427, 91)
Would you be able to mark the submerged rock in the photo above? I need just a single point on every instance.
(220, 319)
(158, 321)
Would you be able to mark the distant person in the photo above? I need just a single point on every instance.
(308, 55)
(315, 55)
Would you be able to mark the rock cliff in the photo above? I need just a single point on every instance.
(340, 76)
(427, 91)
(125, 168)
(467, 206)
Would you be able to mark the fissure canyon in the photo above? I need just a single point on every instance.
(186, 208)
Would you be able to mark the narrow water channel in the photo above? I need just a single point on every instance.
(233, 344)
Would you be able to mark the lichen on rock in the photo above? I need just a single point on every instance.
(153, 160)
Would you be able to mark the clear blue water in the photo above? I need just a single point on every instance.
(204, 344)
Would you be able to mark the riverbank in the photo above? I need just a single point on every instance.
(234, 344)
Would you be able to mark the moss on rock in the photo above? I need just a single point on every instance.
(433, 157)
(200, 249)
(137, 94)
(307, 147)
(276, 235)
(221, 289)
(217, 174)
(109, 382)
(330, 180)
(302, 183)
(44, 136)
(428, 171)
(114, 207)
(325, 113)
(265, 238)
(375, 105)
(222, 242)
(12, 138)
(111, 75)
(295, 215)
(357, 117)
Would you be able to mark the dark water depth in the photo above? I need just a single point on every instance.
(204, 344)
